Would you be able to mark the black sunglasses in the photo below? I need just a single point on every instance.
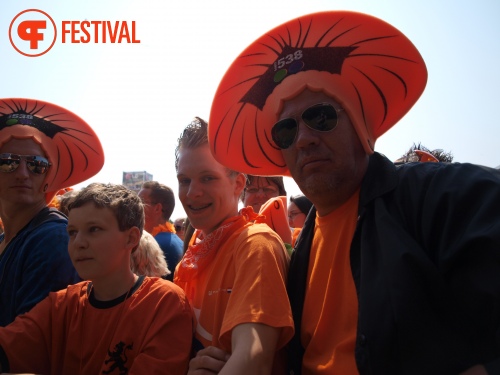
(36, 164)
(322, 117)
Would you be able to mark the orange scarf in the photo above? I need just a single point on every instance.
(168, 227)
(200, 254)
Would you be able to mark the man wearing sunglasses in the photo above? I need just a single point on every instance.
(396, 269)
(38, 157)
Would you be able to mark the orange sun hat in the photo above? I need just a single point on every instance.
(364, 63)
(69, 143)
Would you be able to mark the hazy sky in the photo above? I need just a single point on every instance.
(139, 97)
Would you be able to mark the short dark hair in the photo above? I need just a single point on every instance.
(162, 194)
(125, 203)
(302, 202)
(193, 136)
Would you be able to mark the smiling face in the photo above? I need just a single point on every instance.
(98, 249)
(327, 166)
(22, 187)
(207, 191)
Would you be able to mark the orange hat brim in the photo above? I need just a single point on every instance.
(70, 144)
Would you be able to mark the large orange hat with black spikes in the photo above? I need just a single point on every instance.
(69, 143)
(362, 62)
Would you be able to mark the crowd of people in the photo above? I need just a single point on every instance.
(380, 267)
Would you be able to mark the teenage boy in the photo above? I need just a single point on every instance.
(113, 322)
(235, 275)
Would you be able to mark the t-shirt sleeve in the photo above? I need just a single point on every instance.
(26, 342)
(259, 291)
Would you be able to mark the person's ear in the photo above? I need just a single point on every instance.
(158, 209)
(240, 183)
(134, 236)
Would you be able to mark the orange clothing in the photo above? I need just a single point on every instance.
(331, 305)
(295, 235)
(274, 214)
(244, 283)
(70, 333)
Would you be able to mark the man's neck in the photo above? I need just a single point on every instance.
(15, 218)
(154, 224)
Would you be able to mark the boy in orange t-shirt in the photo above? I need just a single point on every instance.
(115, 321)
(235, 275)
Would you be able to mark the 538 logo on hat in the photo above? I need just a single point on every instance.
(33, 32)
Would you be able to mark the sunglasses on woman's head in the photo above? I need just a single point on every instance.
(36, 164)
(322, 117)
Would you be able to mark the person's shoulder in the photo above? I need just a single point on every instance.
(176, 239)
(76, 288)
(258, 236)
(165, 295)
(457, 181)
(48, 220)
(168, 241)
(258, 229)
(73, 291)
(450, 172)
(156, 286)
(37, 238)
(165, 236)
(48, 216)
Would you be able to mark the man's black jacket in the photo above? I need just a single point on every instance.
(425, 259)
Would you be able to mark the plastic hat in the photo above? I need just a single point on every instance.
(274, 213)
(68, 142)
(362, 62)
(426, 157)
(420, 156)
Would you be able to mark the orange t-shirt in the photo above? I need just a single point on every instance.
(148, 333)
(295, 235)
(244, 283)
(330, 313)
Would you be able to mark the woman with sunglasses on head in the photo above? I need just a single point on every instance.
(234, 270)
(43, 148)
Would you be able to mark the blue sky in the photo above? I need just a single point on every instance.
(139, 97)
